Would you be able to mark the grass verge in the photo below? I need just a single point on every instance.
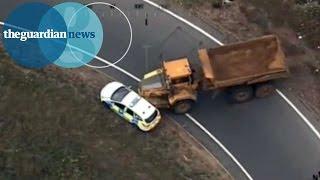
(53, 127)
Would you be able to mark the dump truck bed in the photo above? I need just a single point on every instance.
(244, 63)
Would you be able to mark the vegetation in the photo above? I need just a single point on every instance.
(53, 127)
(302, 15)
(307, 22)
(190, 3)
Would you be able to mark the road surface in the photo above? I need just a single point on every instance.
(267, 136)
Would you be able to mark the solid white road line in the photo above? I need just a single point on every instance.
(191, 118)
(104, 61)
(185, 21)
(187, 115)
(220, 43)
(118, 68)
(219, 144)
(309, 124)
(303, 117)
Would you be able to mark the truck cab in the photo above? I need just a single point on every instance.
(178, 73)
(173, 86)
(245, 70)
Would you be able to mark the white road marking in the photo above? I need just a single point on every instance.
(185, 21)
(309, 124)
(130, 28)
(303, 117)
(220, 144)
(100, 59)
(188, 115)
(118, 68)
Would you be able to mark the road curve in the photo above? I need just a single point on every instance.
(267, 136)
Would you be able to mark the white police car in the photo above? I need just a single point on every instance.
(130, 106)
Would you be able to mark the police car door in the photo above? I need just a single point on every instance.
(128, 115)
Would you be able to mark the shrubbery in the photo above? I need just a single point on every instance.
(302, 15)
(190, 3)
(306, 21)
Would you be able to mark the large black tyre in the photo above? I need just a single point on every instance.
(183, 106)
(240, 94)
(263, 90)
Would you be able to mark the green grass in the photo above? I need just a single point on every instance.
(52, 127)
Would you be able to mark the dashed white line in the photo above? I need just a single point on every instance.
(2, 23)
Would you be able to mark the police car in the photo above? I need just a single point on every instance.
(130, 106)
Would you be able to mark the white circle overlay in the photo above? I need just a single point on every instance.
(130, 42)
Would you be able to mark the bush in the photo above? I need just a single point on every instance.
(306, 22)
(216, 3)
(190, 3)
(301, 2)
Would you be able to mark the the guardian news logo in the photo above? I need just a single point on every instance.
(49, 34)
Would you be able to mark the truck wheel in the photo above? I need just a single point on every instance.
(241, 94)
(183, 106)
(264, 90)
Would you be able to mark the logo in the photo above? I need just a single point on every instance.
(68, 35)
(50, 34)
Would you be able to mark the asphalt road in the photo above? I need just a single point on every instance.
(266, 135)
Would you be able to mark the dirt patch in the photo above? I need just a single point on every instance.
(52, 126)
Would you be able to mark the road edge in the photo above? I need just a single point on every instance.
(281, 94)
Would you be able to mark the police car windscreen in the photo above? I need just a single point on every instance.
(152, 117)
(119, 94)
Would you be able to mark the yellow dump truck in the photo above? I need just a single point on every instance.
(245, 70)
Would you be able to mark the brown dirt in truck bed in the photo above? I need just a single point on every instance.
(241, 61)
